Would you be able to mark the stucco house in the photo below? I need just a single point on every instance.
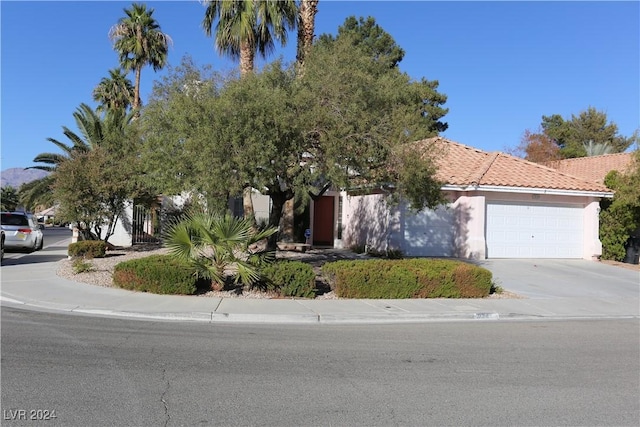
(500, 206)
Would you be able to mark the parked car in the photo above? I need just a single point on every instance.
(21, 231)
(2, 244)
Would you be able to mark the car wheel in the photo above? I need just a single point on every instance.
(41, 245)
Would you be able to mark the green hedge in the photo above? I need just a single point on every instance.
(407, 278)
(159, 274)
(290, 279)
(88, 249)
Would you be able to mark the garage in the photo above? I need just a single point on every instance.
(534, 230)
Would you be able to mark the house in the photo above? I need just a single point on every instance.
(499, 206)
(594, 168)
(46, 215)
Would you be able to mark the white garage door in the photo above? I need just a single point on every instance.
(516, 230)
(429, 233)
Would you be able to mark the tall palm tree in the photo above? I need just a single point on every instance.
(306, 27)
(247, 27)
(114, 92)
(139, 41)
(244, 28)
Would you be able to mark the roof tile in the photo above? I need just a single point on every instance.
(462, 165)
(594, 168)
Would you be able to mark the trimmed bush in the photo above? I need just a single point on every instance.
(158, 274)
(290, 279)
(407, 278)
(88, 249)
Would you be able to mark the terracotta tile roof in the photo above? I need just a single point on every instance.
(462, 165)
(594, 168)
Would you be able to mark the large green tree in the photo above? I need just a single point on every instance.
(346, 122)
(93, 189)
(587, 134)
(139, 41)
(184, 137)
(244, 28)
(370, 37)
(93, 175)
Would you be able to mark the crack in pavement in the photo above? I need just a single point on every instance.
(163, 395)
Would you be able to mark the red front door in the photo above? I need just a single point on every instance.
(323, 221)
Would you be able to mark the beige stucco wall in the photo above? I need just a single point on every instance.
(369, 220)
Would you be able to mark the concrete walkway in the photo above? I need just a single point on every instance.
(550, 290)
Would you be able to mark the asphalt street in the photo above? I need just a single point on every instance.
(92, 372)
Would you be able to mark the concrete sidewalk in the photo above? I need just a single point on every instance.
(36, 286)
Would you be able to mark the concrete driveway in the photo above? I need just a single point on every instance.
(553, 278)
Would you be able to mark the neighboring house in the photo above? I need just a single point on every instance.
(500, 206)
(46, 214)
(594, 168)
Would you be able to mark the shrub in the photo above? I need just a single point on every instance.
(290, 279)
(88, 249)
(219, 247)
(408, 278)
(159, 274)
(81, 266)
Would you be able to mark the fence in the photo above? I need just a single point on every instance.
(146, 225)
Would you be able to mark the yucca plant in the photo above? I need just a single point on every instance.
(220, 248)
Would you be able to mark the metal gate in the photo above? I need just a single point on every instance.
(146, 225)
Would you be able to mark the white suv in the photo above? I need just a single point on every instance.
(22, 231)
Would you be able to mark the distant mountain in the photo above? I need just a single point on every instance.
(15, 177)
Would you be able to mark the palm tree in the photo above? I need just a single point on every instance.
(247, 27)
(114, 92)
(139, 41)
(306, 28)
(219, 247)
(244, 28)
(93, 129)
(597, 149)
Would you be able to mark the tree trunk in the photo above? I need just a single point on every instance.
(278, 201)
(247, 205)
(247, 55)
(287, 232)
(306, 27)
(136, 97)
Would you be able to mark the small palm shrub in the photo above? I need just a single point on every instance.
(407, 278)
(87, 249)
(159, 274)
(290, 279)
(219, 248)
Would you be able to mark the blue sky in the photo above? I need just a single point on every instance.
(502, 64)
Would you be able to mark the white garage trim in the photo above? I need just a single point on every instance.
(534, 230)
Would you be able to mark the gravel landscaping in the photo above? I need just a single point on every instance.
(102, 269)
